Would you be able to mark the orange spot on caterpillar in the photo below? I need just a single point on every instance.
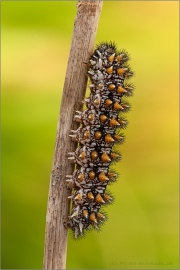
(97, 135)
(111, 86)
(105, 157)
(90, 196)
(103, 118)
(94, 155)
(91, 175)
(102, 177)
(108, 138)
(99, 199)
(109, 70)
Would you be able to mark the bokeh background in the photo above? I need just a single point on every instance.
(142, 230)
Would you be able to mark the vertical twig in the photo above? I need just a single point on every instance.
(85, 28)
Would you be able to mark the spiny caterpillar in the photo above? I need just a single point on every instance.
(99, 131)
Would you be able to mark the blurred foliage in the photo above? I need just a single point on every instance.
(142, 230)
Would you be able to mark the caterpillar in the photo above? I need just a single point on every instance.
(99, 130)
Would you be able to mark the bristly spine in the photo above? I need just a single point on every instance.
(99, 131)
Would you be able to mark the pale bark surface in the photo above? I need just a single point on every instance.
(85, 28)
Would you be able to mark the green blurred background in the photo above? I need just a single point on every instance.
(142, 230)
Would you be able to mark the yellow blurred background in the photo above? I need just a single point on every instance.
(142, 229)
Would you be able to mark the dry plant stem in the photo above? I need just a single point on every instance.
(85, 28)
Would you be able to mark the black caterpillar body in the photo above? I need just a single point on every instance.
(100, 128)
